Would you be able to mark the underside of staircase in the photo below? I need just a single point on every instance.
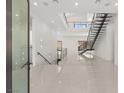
(98, 27)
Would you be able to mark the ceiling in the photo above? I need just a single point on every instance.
(59, 13)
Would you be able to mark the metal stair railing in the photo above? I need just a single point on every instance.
(89, 41)
(99, 30)
(94, 34)
(90, 31)
(46, 60)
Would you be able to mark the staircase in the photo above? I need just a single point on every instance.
(98, 27)
(46, 60)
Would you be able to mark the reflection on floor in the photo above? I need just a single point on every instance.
(75, 75)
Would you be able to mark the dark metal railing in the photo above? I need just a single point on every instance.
(90, 31)
(46, 60)
(88, 39)
(96, 30)
(99, 30)
(26, 64)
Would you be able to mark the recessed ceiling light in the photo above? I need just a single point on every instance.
(76, 3)
(35, 3)
(17, 15)
(116, 4)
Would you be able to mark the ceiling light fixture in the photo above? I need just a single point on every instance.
(116, 4)
(76, 3)
(16, 15)
(35, 3)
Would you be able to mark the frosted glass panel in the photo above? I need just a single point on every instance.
(19, 46)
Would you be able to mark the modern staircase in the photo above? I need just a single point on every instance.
(98, 27)
(46, 60)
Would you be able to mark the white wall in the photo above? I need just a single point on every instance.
(44, 40)
(116, 41)
(106, 46)
(71, 43)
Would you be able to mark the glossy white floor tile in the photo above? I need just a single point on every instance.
(75, 75)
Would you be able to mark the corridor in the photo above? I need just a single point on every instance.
(63, 46)
(75, 75)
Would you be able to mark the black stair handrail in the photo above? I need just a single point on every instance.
(99, 30)
(27, 63)
(90, 42)
(85, 51)
(38, 53)
(90, 31)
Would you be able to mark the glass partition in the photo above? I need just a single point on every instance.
(19, 46)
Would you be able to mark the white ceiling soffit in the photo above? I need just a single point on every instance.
(51, 11)
(72, 33)
(75, 18)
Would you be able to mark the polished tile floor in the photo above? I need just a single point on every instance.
(75, 75)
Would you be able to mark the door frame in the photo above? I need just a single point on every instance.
(9, 46)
